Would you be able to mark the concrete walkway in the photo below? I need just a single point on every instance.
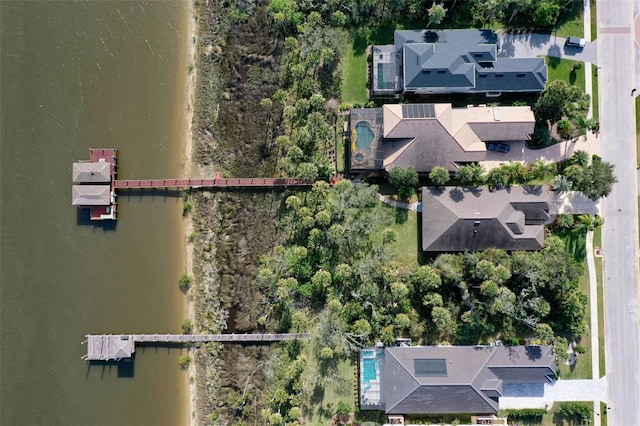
(573, 202)
(415, 206)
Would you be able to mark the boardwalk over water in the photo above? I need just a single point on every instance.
(211, 183)
(114, 347)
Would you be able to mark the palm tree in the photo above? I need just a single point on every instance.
(562, 184)
(478, 172)
(516, 172)
(439, 176)
(496, 178)
(580, 157)
(464, 175)
(587, 222)
(539, 169)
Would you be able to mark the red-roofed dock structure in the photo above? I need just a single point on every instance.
(95, 183)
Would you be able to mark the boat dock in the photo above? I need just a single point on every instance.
(115, 347)
(217, 182)
(95, 183)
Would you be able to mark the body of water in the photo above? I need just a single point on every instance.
(76, 75)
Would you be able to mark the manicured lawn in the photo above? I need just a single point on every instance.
(338, 388)
(354, 63)
(340, 148)
(560, 69)
(575, 243)
(573, 26)
(594, 94)
(582, 367)
(405, 249)
(354, 77)
(638, 129)
(594, 20)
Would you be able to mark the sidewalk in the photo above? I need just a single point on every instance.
(415, 206)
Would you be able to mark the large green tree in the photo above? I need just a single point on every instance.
(405, 181)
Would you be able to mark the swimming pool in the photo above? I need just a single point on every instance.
(364, 135)
(368, 369)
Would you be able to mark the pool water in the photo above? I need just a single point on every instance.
(364, 135)
(369, 369)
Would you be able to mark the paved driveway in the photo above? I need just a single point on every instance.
(543, 395)
(528, 45)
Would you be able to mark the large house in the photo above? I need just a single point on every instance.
(448, 379)
(460, 219)
(426, 135)
(451, 61)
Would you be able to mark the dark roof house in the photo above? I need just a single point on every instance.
(460, 219)
(426, 135)
(448, 379)
(452, 61)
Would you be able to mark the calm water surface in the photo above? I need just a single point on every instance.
(75, 75)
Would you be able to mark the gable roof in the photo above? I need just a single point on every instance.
(91, 195)
(460, 219)
(472, 382)
(92, 172)
(464, 59)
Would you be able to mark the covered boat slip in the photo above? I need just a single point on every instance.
(91, 195)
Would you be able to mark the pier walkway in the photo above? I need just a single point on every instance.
(115, 347)
(211, 183)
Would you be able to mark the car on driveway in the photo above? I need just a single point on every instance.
(575, 42)
(498, 147)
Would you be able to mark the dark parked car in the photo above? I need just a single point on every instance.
(498, 147)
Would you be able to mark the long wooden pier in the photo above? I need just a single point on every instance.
(211, 183)
(115, 347)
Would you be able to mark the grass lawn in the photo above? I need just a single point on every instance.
(338, 387)
(594, 94)
(575, 243)
(573, 26)
(638, 128)
(560, 69)
(597, 242)
(405, 249)
(594, 20)
(340, 148)
(354, 63)
(354, 77)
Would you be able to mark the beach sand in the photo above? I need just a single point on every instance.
(188, 170)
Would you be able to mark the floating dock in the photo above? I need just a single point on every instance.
(95, 183)
(116, 347)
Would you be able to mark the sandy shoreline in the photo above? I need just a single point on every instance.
(192, 34)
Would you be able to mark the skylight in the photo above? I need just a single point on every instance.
(431, 367)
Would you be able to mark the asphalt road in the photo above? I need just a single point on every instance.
(616, 53)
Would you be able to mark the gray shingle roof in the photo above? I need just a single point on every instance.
(91, 195)
(91, 172)
(461, 60)
(460, 219)
(473, 382)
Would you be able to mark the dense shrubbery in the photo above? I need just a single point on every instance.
(593, 178)
(335, 257)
